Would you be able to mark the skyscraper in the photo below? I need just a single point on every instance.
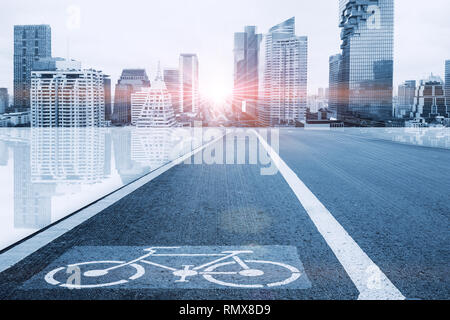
(172, 80)
(131, 81)
(31, 43)
(405, 103)
(366, 77)
(283, 81)
(246, 62)
(429, 101)
(67, 96)
(108, 102)
(447, 84)
(4, 100)
(152, 107)
(333, 93)
(189, 91)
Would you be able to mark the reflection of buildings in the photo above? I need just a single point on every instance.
(246, 62)
(30, 43)
(32, 201)
(366, 67)
(283, 88)
(131, 80)
(429, 101)
(153, 147)
(46, 160)
(128, 169)
(75, 155)
(4, 153)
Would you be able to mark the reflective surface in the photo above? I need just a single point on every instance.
(46, 174)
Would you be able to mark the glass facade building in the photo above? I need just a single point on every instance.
(447, 84)
(189, 90)
(4, 100)
(333, 93)
(283, 76)
(366, 75)
(108, 102)
(405, 103)
(172, 81)
(131, 81)
(31, 43)
(246, 60)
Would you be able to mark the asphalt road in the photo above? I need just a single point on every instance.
(391, 199)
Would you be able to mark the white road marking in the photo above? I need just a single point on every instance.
(368, 278)
(31, 245)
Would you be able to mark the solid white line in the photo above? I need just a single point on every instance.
(368, 278)
(31, 245)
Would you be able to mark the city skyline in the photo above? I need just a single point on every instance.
(217, 53)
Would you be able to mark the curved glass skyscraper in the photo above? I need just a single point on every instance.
(366, 69)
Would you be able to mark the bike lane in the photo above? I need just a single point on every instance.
(203, 210)
(391, 202)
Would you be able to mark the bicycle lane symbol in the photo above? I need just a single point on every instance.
(270, 267)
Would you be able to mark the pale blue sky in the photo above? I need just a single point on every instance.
(137, 33)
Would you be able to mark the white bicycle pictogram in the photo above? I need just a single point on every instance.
(209, 271)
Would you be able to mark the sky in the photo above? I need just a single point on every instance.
(111, 35)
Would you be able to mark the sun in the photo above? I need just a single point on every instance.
(217, 92)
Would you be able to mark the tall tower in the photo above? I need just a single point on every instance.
(131, 81)
(367, 34)
(246, 62)
(31, 42)
(152, 107)
(447, 84)
(4, 100)
(283, 82)
(405, 103)
(172, 81)
(59, 97)
(189, 91)
(333, 93)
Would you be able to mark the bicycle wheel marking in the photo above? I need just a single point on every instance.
(189, 267)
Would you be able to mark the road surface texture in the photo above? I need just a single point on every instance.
(392, 199)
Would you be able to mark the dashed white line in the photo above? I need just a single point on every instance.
(368, 278)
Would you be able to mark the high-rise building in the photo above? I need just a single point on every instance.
(366, 76)
(189, 91)
(429, 100)
(4, 100)
(447, 84)
(283, 81)
(152, 107)
(131, 81)
(246, 63)
(31, 42)
(405, 102)
(333, 93)
(67, 96)
(108, 102)
(172, 81)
